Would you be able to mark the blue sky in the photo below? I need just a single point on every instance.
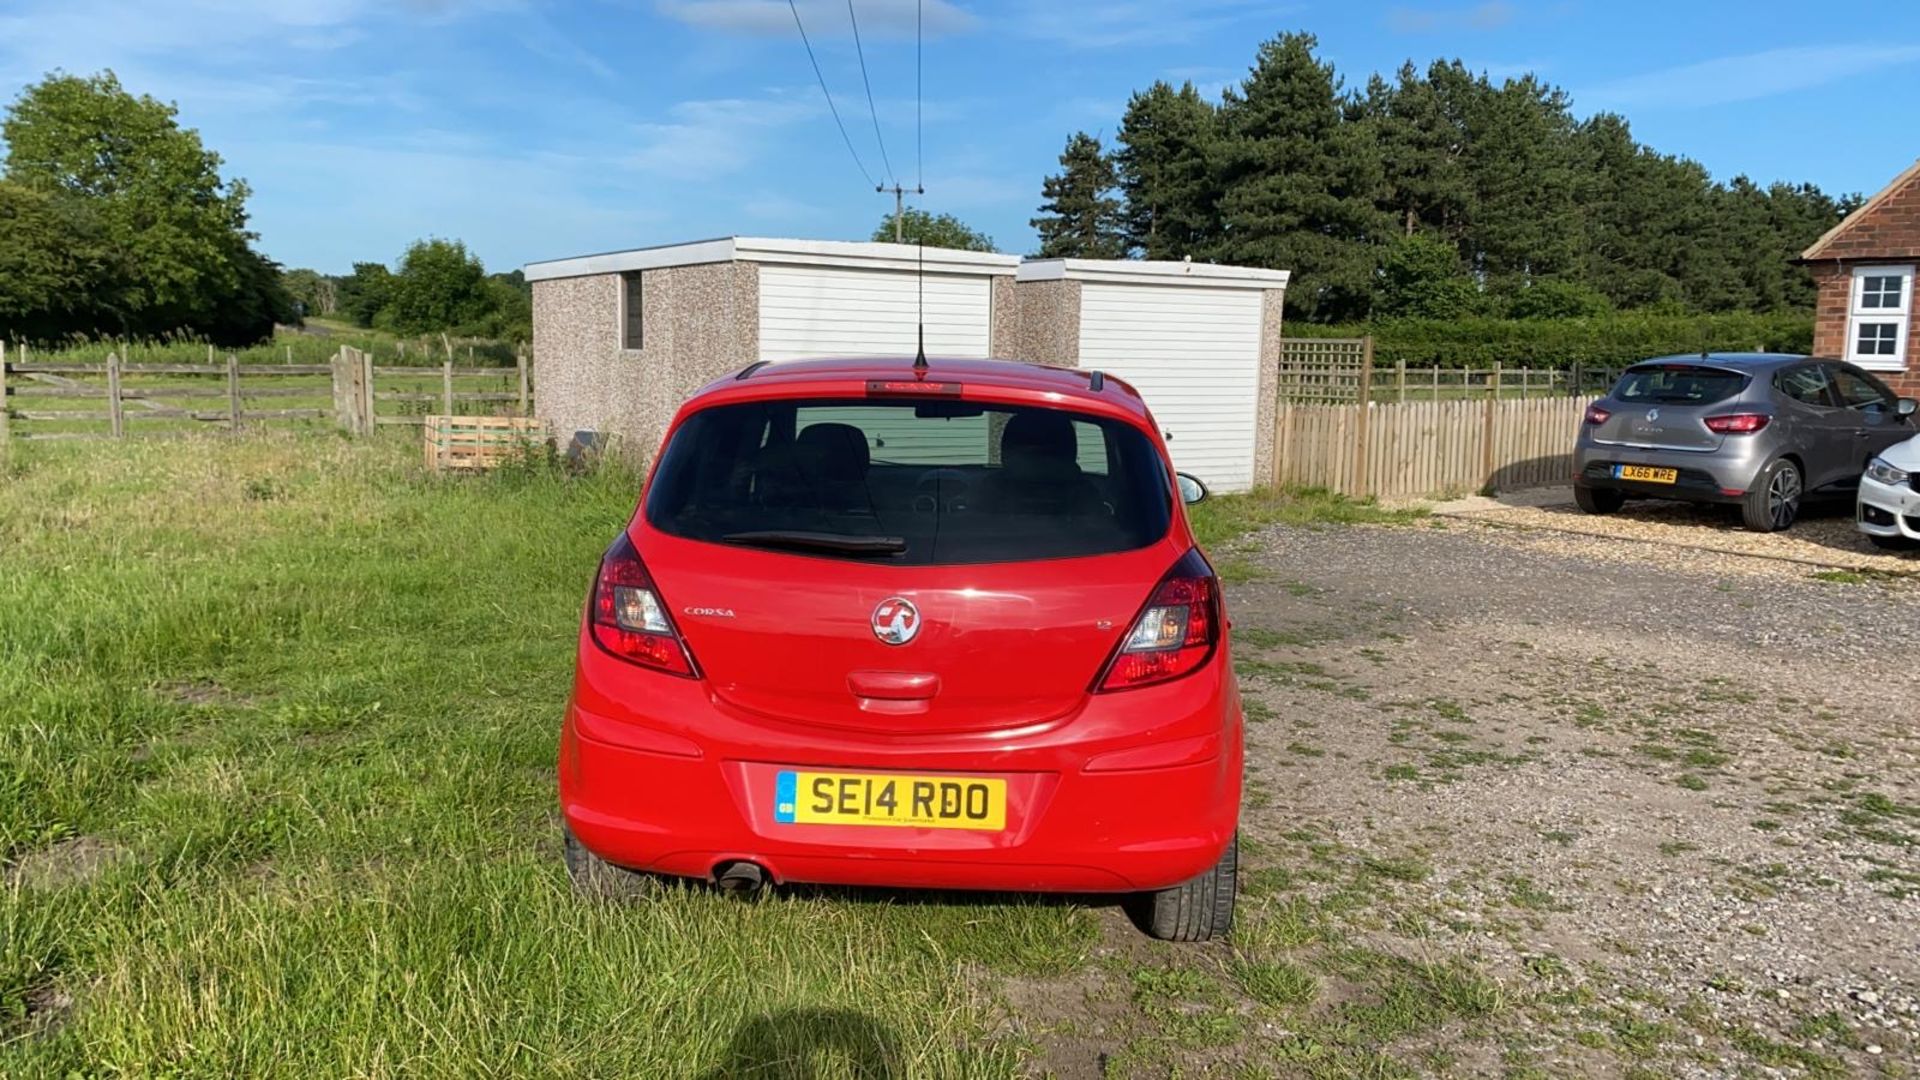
(538, 130)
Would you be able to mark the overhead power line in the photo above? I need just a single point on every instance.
(919, 129)
(864, 81)
(828, 94)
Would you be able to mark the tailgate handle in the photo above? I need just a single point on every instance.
(894, 685)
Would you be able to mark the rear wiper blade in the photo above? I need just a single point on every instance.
(840, 543)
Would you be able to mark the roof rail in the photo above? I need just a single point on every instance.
(750, 369)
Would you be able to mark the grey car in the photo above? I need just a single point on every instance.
(1761, 431)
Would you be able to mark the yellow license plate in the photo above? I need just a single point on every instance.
(1647, 473)
(930, 802)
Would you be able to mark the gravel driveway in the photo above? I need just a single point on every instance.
(1536, 804)
(1824, 536)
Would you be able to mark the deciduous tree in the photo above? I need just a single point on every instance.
(934, 230)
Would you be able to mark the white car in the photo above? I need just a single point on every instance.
(1889, 510)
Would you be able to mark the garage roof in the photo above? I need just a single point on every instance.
(872, 256)
(1143, 272)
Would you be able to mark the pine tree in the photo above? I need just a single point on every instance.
(1168, 145)
(1418, 131)
(1519, 164)
(1081, 218)
(1300, 183)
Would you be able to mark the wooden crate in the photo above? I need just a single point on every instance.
(479, 442)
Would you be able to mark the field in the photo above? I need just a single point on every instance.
(280, 722)
(286, 374)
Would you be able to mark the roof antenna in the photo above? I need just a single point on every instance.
(920, 299)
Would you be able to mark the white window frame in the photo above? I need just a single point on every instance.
(1900, 317)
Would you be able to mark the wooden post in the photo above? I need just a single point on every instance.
(233, 393)
(1436, 382)
(1364, 429)
(520, 362)
(6, 431)
(115, 417)
(1400, 381)
(1576, 379)
(1486, 428)
(1524, 372)
(446, 387)
(368, 424)
(210, 360)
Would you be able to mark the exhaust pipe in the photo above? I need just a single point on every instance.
(740, 877)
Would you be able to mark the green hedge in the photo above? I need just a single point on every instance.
(1608, 341)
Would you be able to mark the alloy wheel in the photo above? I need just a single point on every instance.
(1783, 496)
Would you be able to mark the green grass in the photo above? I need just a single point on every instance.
(304, 699)
(1221, 518)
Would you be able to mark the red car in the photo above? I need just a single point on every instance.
(887, 623)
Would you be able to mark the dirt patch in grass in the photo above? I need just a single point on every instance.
(76, 860)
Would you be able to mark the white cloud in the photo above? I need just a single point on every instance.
(708, 138)
(434, 186)
(823, 18)
(1747, 77)
(1490, 15)
(1100, 24)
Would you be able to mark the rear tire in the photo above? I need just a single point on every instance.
(1773, 503)
(1196, 910)
(595, 877)
(1598, 500)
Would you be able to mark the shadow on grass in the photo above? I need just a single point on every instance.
(799, 1044)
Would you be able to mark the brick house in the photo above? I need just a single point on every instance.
(1864, 268)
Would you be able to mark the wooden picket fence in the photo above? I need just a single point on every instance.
(1425, 449)
(113, 399)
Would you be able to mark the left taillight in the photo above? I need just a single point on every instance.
(1174, 634)
(1737, 423)
(627, 617)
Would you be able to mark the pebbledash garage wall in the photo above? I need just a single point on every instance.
(621, 339)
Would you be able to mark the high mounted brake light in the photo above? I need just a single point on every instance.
(627, 617)
(1174, 635)
(911, 388)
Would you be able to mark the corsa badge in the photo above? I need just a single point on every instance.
(896, 620)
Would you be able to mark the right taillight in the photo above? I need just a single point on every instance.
(1597, 415)
(627, 617)
(1174, 634)
(1737, 423)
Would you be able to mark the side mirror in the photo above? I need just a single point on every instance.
(1191, 489)
(1906, 406)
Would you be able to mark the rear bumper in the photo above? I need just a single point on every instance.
(1711, 478)
(683, 783)
(1884, 510)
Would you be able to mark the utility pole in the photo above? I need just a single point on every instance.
(899, 207)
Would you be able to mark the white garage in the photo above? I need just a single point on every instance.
(1194, 340)
(620, 339)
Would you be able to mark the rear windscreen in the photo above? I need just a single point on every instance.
(1678, 384)
(918, 483)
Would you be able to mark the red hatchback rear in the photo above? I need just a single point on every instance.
(939, 627)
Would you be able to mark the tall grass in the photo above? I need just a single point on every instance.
(279, 722)
(314, 345)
